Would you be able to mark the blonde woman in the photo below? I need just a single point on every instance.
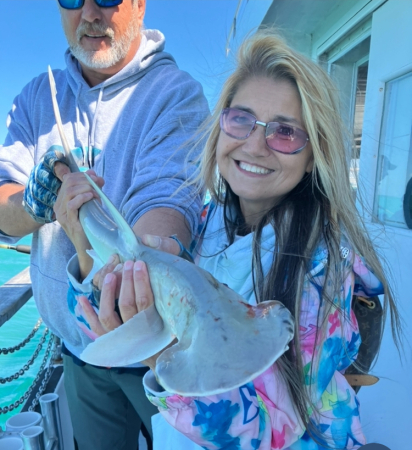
(282, 225)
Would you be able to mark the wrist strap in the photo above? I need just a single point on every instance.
(184, 253)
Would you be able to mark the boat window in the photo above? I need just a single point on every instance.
(349, 70)
(392, 202)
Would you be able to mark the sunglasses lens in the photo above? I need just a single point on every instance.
(76, 4)
(285, 138)
(71, 4)
(280, 137)
(237, 123)
(108, 3)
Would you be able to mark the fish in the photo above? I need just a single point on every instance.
(211, 340)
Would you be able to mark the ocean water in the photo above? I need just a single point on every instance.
(13, 332)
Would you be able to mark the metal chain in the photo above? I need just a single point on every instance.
(48, 373)
(4, 351)
(24, 397)
(29, 362)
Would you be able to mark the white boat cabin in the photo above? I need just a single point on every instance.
(366, 46)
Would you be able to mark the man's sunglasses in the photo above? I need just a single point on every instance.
(77, 4)
(281, 137)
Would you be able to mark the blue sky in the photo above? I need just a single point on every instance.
(196, 33)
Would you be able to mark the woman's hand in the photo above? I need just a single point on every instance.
(130, 284)
(135, 295)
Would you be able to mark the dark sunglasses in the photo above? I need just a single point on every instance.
(77, 4)
(281, 137)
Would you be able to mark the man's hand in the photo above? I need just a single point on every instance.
(75, 190)
(164, 244)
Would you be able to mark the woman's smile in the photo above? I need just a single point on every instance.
(258, 175)
(252, 169)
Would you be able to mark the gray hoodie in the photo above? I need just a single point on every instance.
(131, 129)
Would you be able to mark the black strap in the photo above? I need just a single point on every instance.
(369, 315)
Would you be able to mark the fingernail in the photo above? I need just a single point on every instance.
(152, 241)
(111, 259)
(128, 265)
(108, 278)
(118, 268)
(138, 265)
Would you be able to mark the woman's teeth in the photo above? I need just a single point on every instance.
(253, 169)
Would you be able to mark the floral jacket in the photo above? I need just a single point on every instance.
(260, 415)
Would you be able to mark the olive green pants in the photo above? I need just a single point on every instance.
(106, 407)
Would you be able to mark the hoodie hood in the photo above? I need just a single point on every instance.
(88, 99)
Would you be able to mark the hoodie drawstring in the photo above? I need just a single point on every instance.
(77, 130)
(87, 150)
(93, 130)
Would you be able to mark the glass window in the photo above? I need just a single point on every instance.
(359, 110)
(395, 153)
(350, 73)
(362, 75)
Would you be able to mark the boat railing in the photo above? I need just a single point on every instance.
(14, 294)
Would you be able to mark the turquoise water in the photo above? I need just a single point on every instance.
(12, 262)
(13, 332)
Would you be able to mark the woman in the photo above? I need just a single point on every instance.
(282, 225)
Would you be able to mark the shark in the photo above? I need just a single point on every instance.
(211, 340)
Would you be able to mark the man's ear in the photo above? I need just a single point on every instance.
(141, 4)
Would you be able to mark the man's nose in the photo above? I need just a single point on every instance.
(91, 11)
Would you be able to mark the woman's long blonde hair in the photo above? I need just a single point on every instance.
(320, 209)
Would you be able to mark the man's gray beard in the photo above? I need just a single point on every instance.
(103, 59)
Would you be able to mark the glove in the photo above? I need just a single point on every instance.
(42, 187)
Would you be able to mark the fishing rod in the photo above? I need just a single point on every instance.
(18, 248)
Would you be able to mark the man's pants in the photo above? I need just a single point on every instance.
(106, 407)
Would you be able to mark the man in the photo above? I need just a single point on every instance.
(127, 110)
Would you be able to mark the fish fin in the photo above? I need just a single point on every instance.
(247, 339)
(142, 336)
